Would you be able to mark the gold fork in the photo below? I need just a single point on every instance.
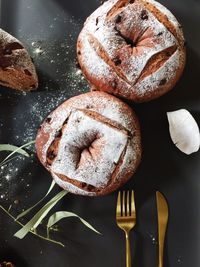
(126, 218)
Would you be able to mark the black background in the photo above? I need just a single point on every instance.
(163, 167)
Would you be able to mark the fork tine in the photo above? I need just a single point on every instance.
(128, 204)
(118, 210)
(123, 205)
(126, 218)
(132, 204)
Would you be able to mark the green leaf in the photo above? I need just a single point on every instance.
(56, 217)
(15, 150)
(32, 232)
(40, 215)
(28, 210)
(7, 147)
(7, 161)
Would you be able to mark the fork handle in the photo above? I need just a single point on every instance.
(128, 251)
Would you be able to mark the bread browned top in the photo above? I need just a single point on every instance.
(90, 144)
(6, 264)
(16, 67)
(134, 49)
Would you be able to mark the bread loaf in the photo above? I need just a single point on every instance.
(16, 67)
(132, 49)
(90, 144)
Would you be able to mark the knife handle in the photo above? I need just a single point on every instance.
(163, 214)
(161, 254)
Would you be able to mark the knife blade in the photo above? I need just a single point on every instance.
(163, 214)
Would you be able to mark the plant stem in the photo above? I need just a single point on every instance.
(7, 161)
(26, 145)
(32, 232)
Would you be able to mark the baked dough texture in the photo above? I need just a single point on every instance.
(17, 70)
(132, 49)
(91, 144)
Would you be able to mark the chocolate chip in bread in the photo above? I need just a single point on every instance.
(132, 49)
(90, 144)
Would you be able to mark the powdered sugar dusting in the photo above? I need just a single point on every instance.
(59, 79)
(93, 101)
(93, 168)
(17, 58)
(171, 17)
(146, 46)
(7, 38)
(149, 37)
(97, 67)
(150, 82)
(71, 188)
(97, 163)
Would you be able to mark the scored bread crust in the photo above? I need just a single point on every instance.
(132, 49)
(91, 144)
(17, 70)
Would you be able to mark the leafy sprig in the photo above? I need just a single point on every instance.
(32, 225)
(31, 231)
(14, 150)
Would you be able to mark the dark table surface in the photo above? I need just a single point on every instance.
(50, 29)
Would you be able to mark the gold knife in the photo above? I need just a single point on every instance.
(163, 214)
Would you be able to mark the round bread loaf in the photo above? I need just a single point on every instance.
(17, 70)
(132, 49)
(90, 144)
